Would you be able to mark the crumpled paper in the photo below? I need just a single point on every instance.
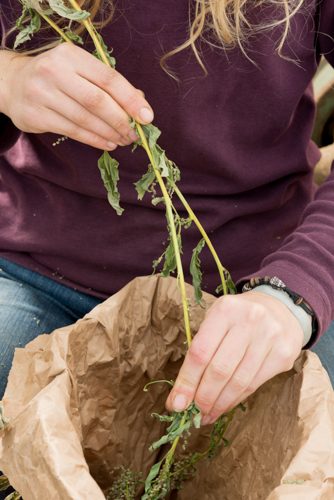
(77, 409)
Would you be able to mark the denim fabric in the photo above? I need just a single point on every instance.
(31, 304)
(325, 350)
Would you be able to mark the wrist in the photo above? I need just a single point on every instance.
(303, 318)
(296, 304)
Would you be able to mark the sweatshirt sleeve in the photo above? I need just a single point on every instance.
(305, 261)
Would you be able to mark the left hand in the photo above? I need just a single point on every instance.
(243, 341)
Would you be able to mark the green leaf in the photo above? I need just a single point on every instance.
(197, 420)
(195, 270)
(4, 483)
(74, 37)
(154, 471)
(106, 50)
(152, 134)
(110, 176)
(33, 4)
(14, 496)
(231, 288)
(156, 200)
(27, 31)
(170, 260)
(163, 418)
(143, 185)
(59, 7)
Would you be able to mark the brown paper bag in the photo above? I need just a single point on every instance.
(77, 409)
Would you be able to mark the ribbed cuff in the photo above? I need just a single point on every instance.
(304, 285)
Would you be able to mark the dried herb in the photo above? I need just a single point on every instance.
(196, 272)
(125, 485)
(162, 173)
(5, 485)
(109, 172)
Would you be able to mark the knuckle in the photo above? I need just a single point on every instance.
(73, 131)
(227, 303)
(43, 66)
(94, 99)
(203, 401)
(256, 313)
(121, 127)
(107, 76)
(199, 353)
(82, 117)
(274, 330)
(133, 98)
(220, 371)
(240, 382)
(285, 355)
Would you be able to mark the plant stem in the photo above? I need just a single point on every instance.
(173, 233)
(55, 27)
(91, 30)
(199, 226)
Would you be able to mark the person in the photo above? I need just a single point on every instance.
(236, 110)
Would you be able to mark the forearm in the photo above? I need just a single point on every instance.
(305, 261)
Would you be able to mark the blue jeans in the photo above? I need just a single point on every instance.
(31, 304)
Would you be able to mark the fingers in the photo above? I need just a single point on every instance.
(101, 91)
(202, 349)
(83, 118)
(98, 103)
(113, 83)
(243, 342)
(249, 374)
(58, 124)
(222, 370)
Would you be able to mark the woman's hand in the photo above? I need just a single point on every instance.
(69, 92)
(244, 341)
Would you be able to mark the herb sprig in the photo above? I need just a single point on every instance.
(168, 473)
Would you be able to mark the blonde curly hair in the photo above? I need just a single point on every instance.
(223, 23)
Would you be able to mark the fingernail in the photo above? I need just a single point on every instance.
(180, 402)
(146, 114)
(133, 136)
(206, 420)
(111, 145)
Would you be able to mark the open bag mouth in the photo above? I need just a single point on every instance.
(77, 409)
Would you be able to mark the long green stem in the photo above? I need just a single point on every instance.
(171, 223)
(221, 268)
(55, 27)
(91, 30)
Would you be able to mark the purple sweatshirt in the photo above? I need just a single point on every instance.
(241, 137)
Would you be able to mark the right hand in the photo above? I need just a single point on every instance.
(69, 92)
